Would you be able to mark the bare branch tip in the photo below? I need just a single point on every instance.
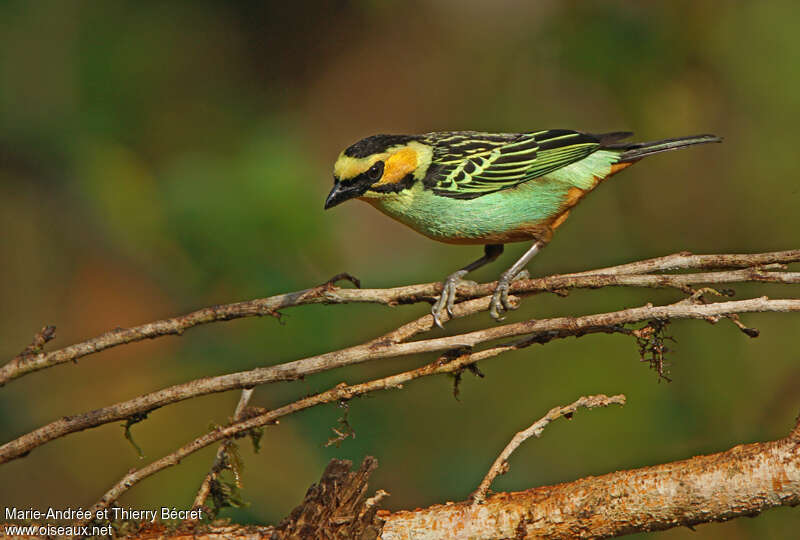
(750, 332)
(47, 333)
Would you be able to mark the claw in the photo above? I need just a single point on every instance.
(436, 320)
(504, 299)
(500, 302)
(451, 300)
(448, 298)
(496, 307)
(436, 308)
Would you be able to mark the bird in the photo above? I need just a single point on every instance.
(490, 189)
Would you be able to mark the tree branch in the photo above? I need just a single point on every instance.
(221, 460)
(328, 293)
(742, 481)
(44, 335)
(536, 330)
(500, 465)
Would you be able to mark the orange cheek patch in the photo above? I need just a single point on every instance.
(398, 166)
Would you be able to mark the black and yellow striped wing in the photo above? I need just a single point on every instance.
(467, 165)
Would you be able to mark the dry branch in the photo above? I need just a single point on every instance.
(221, 459)
(328, 293)
(500, 465)
(44, 335)
(535, 330)
(742, 481)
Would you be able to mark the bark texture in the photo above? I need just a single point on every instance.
(742, 481)
(336, 508)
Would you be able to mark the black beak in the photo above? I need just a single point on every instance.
(341, 193)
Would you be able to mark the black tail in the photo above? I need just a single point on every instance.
(634, 151)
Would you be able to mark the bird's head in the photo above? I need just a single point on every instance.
(378, 166)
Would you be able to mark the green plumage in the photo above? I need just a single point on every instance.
(485, 188)
(469, 165)
(482, 188)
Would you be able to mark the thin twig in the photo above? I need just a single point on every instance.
(39, 340)
(377, 349)
(686, 259)
(328, 293)
(219, 461)
(500, 465)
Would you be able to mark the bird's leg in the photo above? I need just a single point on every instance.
(500, 301)
(448, 297)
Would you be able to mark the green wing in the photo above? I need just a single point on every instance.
(471, 164)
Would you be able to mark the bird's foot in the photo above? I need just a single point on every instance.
(500, 302)
(448, 298)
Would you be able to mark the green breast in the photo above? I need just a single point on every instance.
(449, 219)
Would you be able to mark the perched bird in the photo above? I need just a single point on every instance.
(468, 187)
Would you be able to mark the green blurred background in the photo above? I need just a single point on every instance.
(160, 157)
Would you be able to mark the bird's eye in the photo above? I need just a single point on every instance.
(376, 171)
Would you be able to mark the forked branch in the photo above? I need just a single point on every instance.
(742, 481)
(500, 465)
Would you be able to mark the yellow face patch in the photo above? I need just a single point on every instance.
(347, 167)
(397, 164)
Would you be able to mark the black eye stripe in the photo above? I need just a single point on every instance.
(370, 176)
